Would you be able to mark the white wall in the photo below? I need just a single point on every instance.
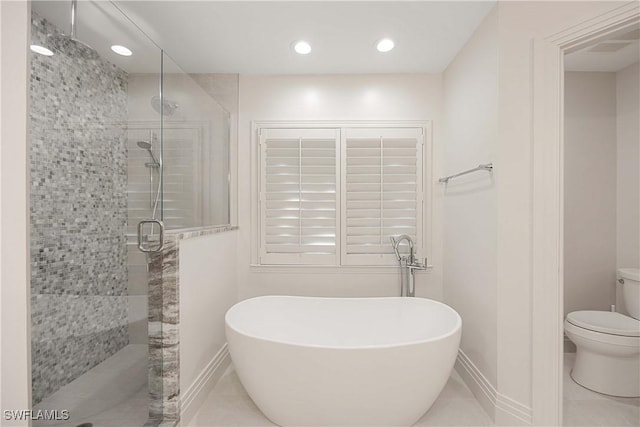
(628, 166)
(470, 252)
(520, 24)
(589, 191)
(628, 172)
(332, 97)
(221, 87)
(15, 367)
(207, 274)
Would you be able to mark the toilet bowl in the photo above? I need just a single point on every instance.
(608, 344)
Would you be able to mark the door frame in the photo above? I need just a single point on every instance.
(547, 198)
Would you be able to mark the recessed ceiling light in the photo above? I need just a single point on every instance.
(302, 47)
(385, 45)
(41, 50)
(121, 50)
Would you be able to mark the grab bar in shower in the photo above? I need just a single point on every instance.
(486, 167)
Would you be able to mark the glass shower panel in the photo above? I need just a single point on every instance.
(94, 133)
(195, 151)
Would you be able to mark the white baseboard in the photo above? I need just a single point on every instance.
(194, 396)
(502, 409)
(510, 412)
(481, 388)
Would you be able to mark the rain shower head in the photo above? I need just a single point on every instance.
(165, 107)
(69, 44)
(72, 46)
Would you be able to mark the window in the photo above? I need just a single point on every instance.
(334, 196)
(299, 196)
(381, 192)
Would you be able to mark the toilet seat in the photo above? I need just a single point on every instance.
(606, 322)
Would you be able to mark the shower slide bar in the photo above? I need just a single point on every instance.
(486, 167)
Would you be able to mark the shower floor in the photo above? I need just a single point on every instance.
(112, 394)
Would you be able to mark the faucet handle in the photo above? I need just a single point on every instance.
(394, 244)
(418, 265)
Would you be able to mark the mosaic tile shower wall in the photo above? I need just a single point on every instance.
(78, 213)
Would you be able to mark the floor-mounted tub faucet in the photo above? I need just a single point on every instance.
(408, 265)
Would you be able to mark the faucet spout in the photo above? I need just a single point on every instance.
(396, 244)
(408, 265)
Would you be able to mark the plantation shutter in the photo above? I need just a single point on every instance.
(381, 192)
(299, 196)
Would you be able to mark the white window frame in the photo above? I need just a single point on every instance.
(423, 250)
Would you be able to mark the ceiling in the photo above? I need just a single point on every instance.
(616, 52)
(255, 37)
(101, 25)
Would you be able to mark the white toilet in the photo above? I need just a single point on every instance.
(608, 343)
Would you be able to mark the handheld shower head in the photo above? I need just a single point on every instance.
(146, 145)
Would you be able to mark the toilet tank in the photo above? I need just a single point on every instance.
(631, 290)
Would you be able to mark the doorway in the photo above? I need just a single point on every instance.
(601, 222)
(548, 207)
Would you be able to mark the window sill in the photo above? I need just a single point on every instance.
(331, 269)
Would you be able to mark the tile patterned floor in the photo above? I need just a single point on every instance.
(584, 407)
(228, 404)
(113, 394)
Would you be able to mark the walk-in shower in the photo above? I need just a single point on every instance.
(108, 151)
(89, 338)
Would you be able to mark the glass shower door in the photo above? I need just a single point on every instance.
(89, 328)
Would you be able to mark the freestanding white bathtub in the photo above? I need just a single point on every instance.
(343, 361)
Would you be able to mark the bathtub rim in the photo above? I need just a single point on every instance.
(456, 329)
